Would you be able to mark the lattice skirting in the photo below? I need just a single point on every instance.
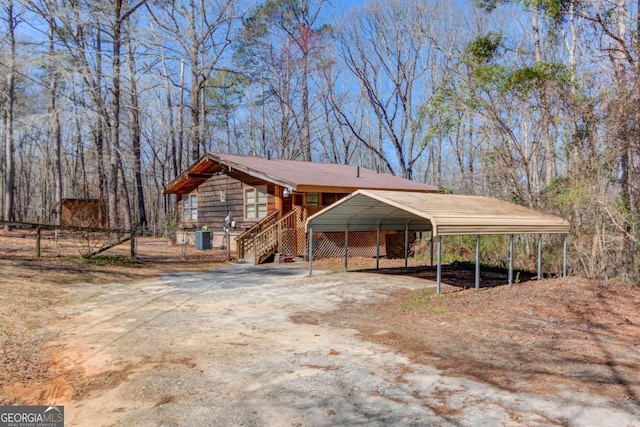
(361, 244)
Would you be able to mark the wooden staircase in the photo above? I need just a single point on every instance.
(269, 236)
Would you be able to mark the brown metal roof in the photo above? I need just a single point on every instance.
(295, 175)
(447, 214)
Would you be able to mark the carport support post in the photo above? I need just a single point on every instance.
(310, 251)
(378, 247)
(439, 265)
(432, 247)
(540, 257)
(346, 247)
(406, 245)
(510, 260)
(564, 257)
(477, 262)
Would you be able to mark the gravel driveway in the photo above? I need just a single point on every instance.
(239, 346)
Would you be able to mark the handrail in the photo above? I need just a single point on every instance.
(241, 240)
(280, 221)
(269, 238)
(258, 225)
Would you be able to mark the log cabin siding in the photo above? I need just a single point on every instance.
(212, 211)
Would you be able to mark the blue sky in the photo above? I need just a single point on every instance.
(340, 8)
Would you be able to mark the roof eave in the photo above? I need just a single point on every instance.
(180, 182)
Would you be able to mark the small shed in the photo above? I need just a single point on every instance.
(442, 214)
(90, 213)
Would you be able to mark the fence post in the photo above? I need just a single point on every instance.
(38, 235)
(183, 249)
(133, 242)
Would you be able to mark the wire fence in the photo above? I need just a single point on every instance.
(147, 243)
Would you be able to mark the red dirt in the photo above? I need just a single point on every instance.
(31, 289)
(539, 336)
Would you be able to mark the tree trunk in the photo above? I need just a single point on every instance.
(114, 146)
(136, 135)
(172, 132)
(306, 122)
(181, 119)
(7, 116)
(100, 133)
(57, 132)
(548, 143)
(194, 132)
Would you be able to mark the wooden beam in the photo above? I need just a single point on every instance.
(307, 188)
(200, 176)
(278, 199)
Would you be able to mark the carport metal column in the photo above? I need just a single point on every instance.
(564, 256)
(310, 250)
(540, 257)
(346, 247)
(439, 265)
(510, 260)
(378, 246)
(477, 262)
(431, 245)
(406, 244)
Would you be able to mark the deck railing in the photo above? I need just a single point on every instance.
(280, 237)
(243, 241)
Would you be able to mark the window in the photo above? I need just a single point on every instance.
(190, 207)
(313, 199)
(330, 198)
(255, 202)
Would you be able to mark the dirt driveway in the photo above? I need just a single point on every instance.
(246, 345)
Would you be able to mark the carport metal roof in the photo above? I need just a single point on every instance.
(444, 214)
(448, 214)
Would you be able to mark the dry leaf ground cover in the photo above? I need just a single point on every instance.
(538, 336)
(32, 289)
(553, 337)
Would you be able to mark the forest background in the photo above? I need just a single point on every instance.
(531, 101)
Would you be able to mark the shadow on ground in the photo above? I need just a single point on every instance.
(460, 274)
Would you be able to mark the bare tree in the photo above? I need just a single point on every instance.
(280, 47)
(202, 30)
(12, 20)
(56, 131)
(392, 50)
(135, 128)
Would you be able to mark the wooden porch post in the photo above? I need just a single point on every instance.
(278, 199)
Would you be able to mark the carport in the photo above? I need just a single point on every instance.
(442, 214)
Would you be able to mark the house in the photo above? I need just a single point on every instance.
(264, 203)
